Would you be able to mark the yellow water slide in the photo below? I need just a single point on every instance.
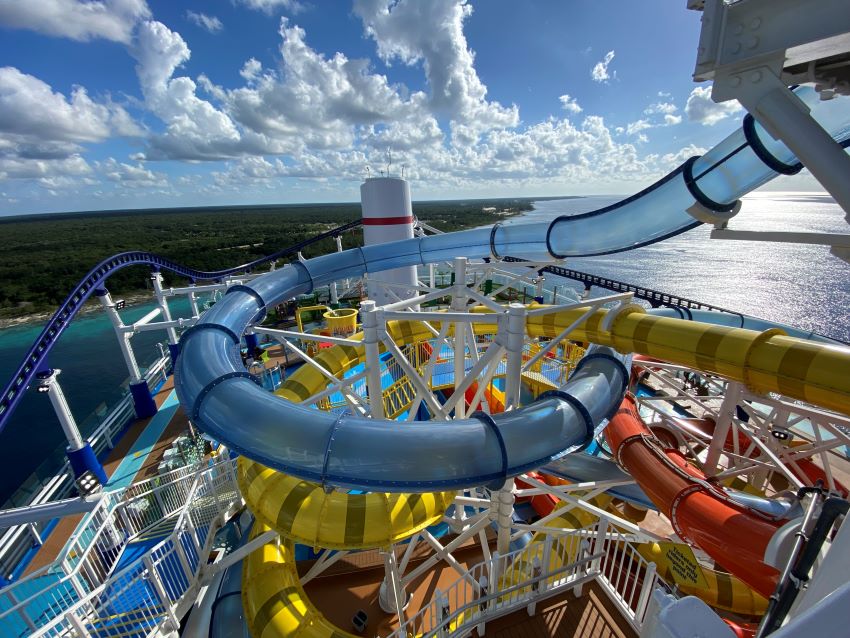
(766, 361)
(304, 512)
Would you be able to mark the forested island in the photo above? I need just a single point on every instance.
(44, 256)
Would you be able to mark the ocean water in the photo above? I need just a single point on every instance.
(93, 379)
(803, 286)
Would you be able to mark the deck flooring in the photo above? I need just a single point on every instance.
(352, 585)
(55, 542)
(592, 615)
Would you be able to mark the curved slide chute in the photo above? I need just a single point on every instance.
(355, 452)
(306, 513)
(734, 535)
(218, 393)
(274, 601)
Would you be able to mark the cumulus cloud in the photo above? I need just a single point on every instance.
(400, 32)
(700, 107)
(210, 23)
(32, 113)
(195, 128)
(599, 73)
(75, 19)
(251, 70)
(637, 126)
(569, 104)
(271, 6)
(133, 176)
(660, 107)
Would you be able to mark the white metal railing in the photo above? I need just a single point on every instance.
(16, 541)
(523, 577)
(562, 561)
(626, 576)
(78, 584)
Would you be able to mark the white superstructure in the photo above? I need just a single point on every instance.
(388, 217)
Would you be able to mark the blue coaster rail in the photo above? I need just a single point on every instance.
(36, 358)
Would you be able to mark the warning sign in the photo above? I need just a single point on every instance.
(676, 562)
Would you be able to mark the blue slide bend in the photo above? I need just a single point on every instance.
(355, 452)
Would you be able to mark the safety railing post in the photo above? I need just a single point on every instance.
(459, 305)
(159, 587)
(645, 593)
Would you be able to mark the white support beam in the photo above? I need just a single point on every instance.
(422, 392)
(446, 555)
(481, 523)
(369, 317)
(328, 558)
(412, 375)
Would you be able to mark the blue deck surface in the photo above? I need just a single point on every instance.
(135, 458)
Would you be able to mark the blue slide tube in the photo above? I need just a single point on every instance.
(354, 452)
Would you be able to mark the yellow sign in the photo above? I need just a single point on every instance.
(675, 561)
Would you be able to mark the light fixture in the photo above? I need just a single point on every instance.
(87, 483)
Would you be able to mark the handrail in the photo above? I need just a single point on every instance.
(14, 542)
(36, 356)
(70, 578)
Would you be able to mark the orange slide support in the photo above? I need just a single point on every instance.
(734, 536)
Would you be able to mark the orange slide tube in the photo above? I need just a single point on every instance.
(732, 535)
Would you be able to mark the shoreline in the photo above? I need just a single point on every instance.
(36, 318)
(134, 298)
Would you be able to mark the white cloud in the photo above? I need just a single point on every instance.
(660, 107)
(210, 23)
(569, 104)
(134, 176)
(637, 126)
(31, 113)
(195, 128)
(672, 120)
(700, 108)
(75, 19)
(432, 33)
(251, 70)
(50, 173)
(599, 73)
(271, 6)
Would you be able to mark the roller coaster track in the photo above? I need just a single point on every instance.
(654, 297)
(36, 357)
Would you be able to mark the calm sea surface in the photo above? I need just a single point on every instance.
(803, 286)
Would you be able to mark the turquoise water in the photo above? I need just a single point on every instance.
(93, 379)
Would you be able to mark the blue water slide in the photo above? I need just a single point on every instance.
(355, 452)
(36, 357)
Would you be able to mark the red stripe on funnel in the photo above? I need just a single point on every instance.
(387, 221)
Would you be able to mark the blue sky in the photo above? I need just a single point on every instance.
(144, 103)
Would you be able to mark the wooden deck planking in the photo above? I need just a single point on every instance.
(592, 615)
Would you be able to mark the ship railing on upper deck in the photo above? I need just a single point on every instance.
(76, 590)
(564, 560)
(17, 541)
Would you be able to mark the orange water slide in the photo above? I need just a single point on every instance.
(494, 397)
(734, 536)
